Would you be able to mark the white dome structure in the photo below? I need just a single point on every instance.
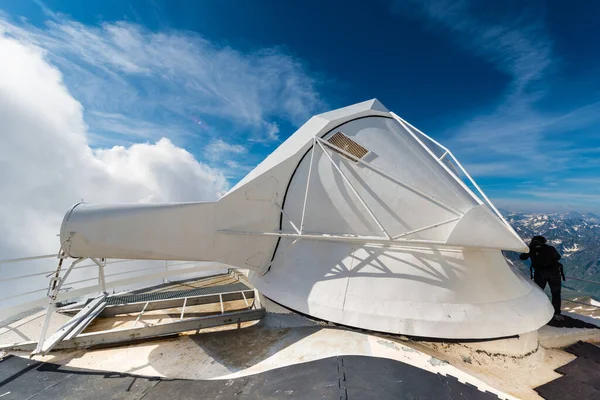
(359, 219)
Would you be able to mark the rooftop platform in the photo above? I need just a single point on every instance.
(286, 347)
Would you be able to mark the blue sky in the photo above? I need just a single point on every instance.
(513, 90)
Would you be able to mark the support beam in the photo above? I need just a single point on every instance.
(169, 328)
(87, 320)
(53, 288)
(464, 171)
(101, 278)
(440, 163)
(288, 217)
(342, 238)
(312, 155)
(405, 185)
(141, 313)
(245, 300)
(360, 199)
(425, 228)
(183, 308)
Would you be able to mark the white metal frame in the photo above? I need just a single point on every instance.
(360, 199)
(54, 287)
(387, 239)
(447, 152)
(412, 188)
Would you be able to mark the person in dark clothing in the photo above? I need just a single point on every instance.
(546, 268)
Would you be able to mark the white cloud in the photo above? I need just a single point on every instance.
(514, 42)
(217, 148)
(173, 76)
(46, 163)
(131, 129)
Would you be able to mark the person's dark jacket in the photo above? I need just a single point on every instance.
(543, 257)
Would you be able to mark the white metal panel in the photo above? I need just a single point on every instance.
(416, 291)
(333, 208)
(313, 127)
(182, 231)
(308, 284)
(481, 228)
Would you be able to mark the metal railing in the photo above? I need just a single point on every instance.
(38, 281)
(580, 291)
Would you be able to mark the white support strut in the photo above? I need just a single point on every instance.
(428, 150)
(101, 277)
(367, 208)
(312, 154)
(288, 218)
(426, 227)
(54, 287)
(464, 171)
(393, 179)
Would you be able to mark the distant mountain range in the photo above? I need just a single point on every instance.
(575, 235)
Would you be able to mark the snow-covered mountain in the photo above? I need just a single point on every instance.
(575, 235)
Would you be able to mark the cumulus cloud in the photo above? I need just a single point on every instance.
(46, 163)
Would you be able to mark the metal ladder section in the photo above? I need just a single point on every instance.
(70, 334)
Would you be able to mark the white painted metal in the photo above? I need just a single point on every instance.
(140, 314)
(54, 287)
(86, 321)
(438, 271)
(183, 308)
(367, 209)
(464, 171)
(426, 227)
(439, 160)
(410, 187)
(340, 238)
(289, 219)
(312, 155)
(129, 308)
(101, 279)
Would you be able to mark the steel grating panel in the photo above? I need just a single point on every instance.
(176, 294)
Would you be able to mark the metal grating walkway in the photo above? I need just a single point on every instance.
(176, 294)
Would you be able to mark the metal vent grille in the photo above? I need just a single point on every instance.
(348, 145)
